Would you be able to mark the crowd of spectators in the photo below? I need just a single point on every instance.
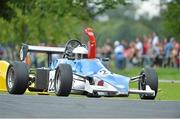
(149, 50)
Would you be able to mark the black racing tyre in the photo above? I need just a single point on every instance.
(63, 80)
(17, 78)
(150, 78)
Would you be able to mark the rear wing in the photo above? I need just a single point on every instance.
(40, 49)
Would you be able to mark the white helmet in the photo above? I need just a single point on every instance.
(80, 52)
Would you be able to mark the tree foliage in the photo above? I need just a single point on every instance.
(49, 21)
(172, 19)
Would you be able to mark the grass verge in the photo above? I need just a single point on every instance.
(166, 91)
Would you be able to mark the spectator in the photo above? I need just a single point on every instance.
(107, 49)
(155, 39)
(158, 55)
(119, 55)
(168, 51)
(129, 52)
(178, 58)
(175, 53)
(139, 49)
(146, 47)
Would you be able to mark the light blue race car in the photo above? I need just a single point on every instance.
(77, 71)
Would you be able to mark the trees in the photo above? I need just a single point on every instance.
(172, 19)
(49, 21)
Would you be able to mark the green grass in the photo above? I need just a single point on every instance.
(169, 91)
(166, 91)
(168, 73)
(163, 73)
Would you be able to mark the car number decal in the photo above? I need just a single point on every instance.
(51, 81)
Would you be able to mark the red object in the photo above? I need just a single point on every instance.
(145, 48)
(92, 43)
(100, 83)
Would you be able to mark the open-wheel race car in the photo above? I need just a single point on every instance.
(77, 71)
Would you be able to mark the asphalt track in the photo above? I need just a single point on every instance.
(27, 106)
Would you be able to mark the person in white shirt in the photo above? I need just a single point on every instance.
(155, 39)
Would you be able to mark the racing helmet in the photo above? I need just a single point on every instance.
(80, 52)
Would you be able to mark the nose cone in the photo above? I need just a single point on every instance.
(121, 83)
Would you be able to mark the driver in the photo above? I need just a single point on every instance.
(80, 52)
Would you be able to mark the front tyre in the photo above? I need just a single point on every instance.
(63, 80)
(150, 78)
(17, 78)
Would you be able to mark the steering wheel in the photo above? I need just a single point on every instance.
(70, 45)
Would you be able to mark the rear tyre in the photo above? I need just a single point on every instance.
(17, 78)
(63, 80)
(150, 78)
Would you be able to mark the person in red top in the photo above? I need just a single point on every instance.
(145, 45)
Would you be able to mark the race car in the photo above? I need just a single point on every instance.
(77, 71)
